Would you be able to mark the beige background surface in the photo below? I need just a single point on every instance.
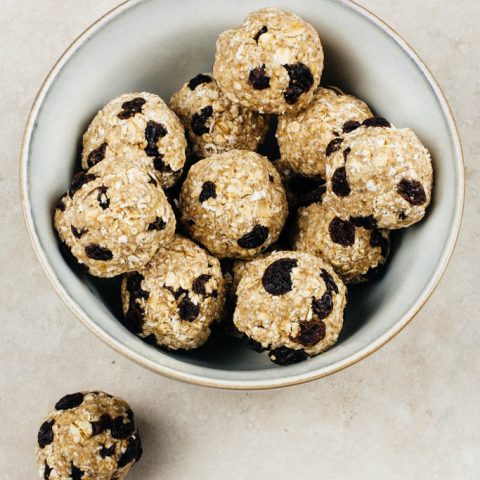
(411, 411)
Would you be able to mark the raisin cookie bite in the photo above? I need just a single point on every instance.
(88, 436)
(272, 63)
(174, 300)
(291, 304)
(380, 172)
(234, 204)
(141, 126)
(355, 248)
(304, 136)
(114, 217)
(213, 123)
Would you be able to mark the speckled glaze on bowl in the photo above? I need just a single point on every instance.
(155, 45)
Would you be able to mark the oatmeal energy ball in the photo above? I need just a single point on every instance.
(213, 123)
(175, 298)
(272, 63)
(234, 204)
(141, 127)
(355, 248)
(380, 172)
(304, 136)
(88, 436)
(113, 218)
(291, 304)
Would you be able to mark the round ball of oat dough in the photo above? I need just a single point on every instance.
(141, 127)
(380, 172)
(304, 136)
(88, 435)
(174, 300)
(113, 218)
(290, 303)
(234, 204)
(272, 63)
(354, 247)
(213, 123)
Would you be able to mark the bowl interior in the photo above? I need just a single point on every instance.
(155, 46)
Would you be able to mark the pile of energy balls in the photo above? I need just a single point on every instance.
(255, 189)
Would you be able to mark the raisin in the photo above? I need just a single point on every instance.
(97, 155)
(71, 259)
(333, 146)
(307, 190)
(255, 238)
(47, 471)
(263, 30)
(96, 252)
(369, 223)
(107, 452)
(350, 126)
(60, 205)
(199, 284)
(158, 224)
(101, 425)
(160, 165)
(346, 153)
(78, 233)
(412, 191)
(378, 240)
(376, 122)
(187, 310)
(199, 119)
(80, 179)
(102, 198)
(76, 473)
(311, 332)
(153, 132)
(258, 78)
(131, 108)
(69, 401)
(208, 191)
(45, 434)
(323, 307)
(329, 281)
(135, 311)
(133, 451)
(277, 278)
(301, 80)
(198, 80)
(340, 185)
(176, 293)
(287, 356)
(121, 430)
(253, 344)
(342, 232)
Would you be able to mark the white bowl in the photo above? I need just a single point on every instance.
(156, 45)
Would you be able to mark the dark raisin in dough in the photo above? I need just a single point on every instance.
(132, 452)
(78, 233)
(198, 80)
(340, 185)
(263, 30)
(258, 78)
(208, 191)
(80, 179)
(76, 473)
(158, 224)
(329, 281)
(369, 223)
(350, 126)
(255, 238)
(277, 278)
(97, 155)
(153, 132)
(376, 122)
(102, 197)
(199, 284)
(121, 429)
(322, 307)
(301, 81)
(96, 252)
(187, 310)
(107, 452)
(412, 191)
(199, 120)
(287, 356)
(45, 434)
(342, 232)
(69, 401)
(378, 240)
(333, 146)
(102, 424)
(131, 108)
(311, 332)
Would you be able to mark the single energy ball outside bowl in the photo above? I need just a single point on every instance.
(303, 136)
(213, 123)
(380, 172)
(354, 247)
(174, 300)
(290, 303)
(234, 204)
(88, 436)
(272, 63)
(141, 127)
(113, 218)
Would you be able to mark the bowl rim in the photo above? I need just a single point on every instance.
(228, 383)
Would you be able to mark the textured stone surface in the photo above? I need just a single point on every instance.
(409, 411)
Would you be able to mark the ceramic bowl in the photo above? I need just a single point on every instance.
(156, 45)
